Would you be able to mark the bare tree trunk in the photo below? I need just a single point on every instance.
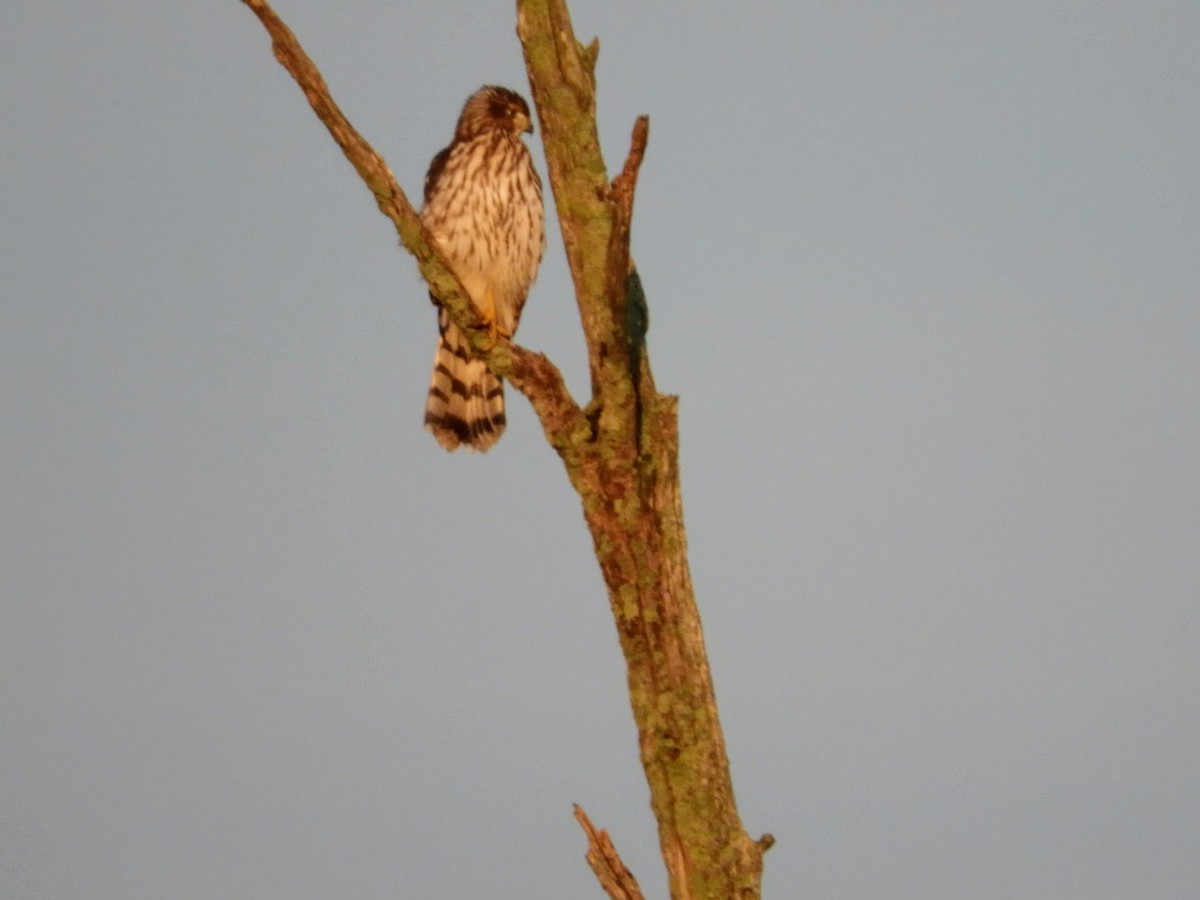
(621, 454)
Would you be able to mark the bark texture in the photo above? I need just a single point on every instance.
(621, 453)
(627, 475)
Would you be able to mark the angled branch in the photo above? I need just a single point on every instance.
(532, 374)
(618, 882)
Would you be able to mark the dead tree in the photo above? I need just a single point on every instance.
(620, 451)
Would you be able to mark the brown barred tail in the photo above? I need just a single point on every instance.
(466, 401)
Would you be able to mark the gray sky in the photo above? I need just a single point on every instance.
(926, 277)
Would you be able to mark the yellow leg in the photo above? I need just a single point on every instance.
(488, 315)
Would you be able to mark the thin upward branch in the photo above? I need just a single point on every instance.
(562, 80)
(624, 285)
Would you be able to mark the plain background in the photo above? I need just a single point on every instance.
(926, 277)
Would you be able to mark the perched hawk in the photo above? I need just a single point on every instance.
(483, 205)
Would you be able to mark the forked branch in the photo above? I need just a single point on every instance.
(622, 456)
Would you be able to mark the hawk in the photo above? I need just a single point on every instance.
(483, 206)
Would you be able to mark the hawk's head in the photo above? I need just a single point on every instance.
(493, 108)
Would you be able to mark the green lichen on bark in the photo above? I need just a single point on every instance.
(627, 475)
(621, 452)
